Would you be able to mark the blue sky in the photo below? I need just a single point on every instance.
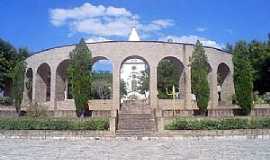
(41, 24)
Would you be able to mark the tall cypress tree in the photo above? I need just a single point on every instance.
(199, 74)
(17, 75)
(243, 77)
(80, 76)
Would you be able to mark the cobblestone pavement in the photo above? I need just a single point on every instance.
(192, 149)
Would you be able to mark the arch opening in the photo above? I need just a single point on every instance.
(170, 73)
(135, 80)
(63, 86)
(43, 83)
(102, 78)
(223, 85)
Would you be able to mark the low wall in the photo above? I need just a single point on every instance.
(220, 112)
(234, 134)
(96, 135)
(62, 113)
(54, 134)
(100, 104)
(182, 112)
(8, 111)
(170, 104)
(261, 110)
(99, 108)
(170, 107)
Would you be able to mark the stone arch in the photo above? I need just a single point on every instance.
(223, 82)
(97, 58)
(62, 86)
(137, 67)
(180, 78)
(102, 78)
(43, 83)
(29, 84)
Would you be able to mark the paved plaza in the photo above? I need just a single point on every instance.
(192, 149)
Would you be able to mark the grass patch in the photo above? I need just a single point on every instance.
(53, 124)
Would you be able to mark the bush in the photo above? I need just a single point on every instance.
(7, 101)
(218, 124)
(54, 124)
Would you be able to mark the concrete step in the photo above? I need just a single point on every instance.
(135, 133)
(136, 125)
(136, 116)
(136, 121)
(136, 110)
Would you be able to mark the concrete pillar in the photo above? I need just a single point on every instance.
(116, 86)
(34, 85)
(187, 52)
(153, 85)
(213, 89)
(53, 89)
(26, 100)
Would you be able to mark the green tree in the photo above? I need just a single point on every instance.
(243, 77)
(144, 82)
(17, 75)
(259, 57)
(168, 75)
(101, 85)
(80, 76)
(8, 55)
(123, 88)
(199, 73)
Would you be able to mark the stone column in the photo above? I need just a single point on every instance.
(187, 73)
(188, 95)
(34, 85)
(26, 100)
(115, 95)
(53, 89)
(213, 89)
(153, 85)
(116, 86)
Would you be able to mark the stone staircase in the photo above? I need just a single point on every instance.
(136, 119)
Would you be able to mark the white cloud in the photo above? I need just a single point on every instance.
(192, 39)
(201, 29)
(99, 20)
(103, 61)
(96, 39)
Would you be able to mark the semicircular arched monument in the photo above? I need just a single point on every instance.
(50, 84)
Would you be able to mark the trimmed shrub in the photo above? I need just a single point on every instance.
(53, 124)
(218, 124)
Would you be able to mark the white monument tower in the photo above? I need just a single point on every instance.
(133, 36)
